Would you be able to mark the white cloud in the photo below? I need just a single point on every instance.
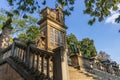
(114, 15)
(111, 19)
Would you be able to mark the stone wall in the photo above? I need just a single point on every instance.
(84, 62)
(8, 73)
(80, 61)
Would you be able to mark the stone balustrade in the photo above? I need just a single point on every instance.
(48, 64)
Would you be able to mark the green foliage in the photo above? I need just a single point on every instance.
(71, 38)
(72, 44)
(11, 40)
(23, 37)
(99, 9)
(7, 23)
(88, 48)
(19, 24)
(31, 34)
(3, 18)
(1, 27)
(24, 5)
(30, 6)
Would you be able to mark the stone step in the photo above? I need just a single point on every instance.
(75, 74)
(94, 74)
(105, 75)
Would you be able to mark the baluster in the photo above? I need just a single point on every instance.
(42, 64)
(16, 52)
(37, 62)
(47, 59)
(39, 65)
(51, 67)
(24, 58)
(13, 49)
(18, 49)
(27, 56)
(33, 60)
(20, 54)
(23, 54)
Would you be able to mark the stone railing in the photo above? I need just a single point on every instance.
(44, 62)
(106, 67)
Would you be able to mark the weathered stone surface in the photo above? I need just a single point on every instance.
(5, 38)
(8, 73)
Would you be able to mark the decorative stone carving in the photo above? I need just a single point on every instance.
(59, 13)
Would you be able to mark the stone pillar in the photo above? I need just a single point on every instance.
(65, 71)
(4, 38)
(60, 64)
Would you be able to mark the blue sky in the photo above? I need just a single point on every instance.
(104, 34)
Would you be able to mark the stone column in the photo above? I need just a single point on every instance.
(4, 38)
(65, 71)
(60, 64)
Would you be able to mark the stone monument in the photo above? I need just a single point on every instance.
(53, 34)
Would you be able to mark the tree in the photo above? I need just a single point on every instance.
(22, 24)
(88, 48)
(72, 43)
(97, 9)
(71, 38)
(4, 20)
(31, 34)
(19, 25)
(103, 56)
